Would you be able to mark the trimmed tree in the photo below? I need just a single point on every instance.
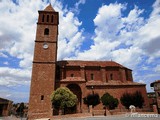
(63, 98)
(109, 101)
(138, 99)
(91, 99)
(126, 100)
(135, 99)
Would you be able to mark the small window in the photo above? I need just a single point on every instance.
(47, 18)
(92, 77)
(111, 76)
(52, 19)
(72, 75)
(43, 18)
(46, 31)
(42, 97)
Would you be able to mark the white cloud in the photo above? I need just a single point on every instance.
(15, 96)
(157, 69)
(76, 9)
(13, 77)
(127, 56)
(17, 36)
(6, 63)
(3, 55)
(141, 81)
(70, 37)
(133, 41)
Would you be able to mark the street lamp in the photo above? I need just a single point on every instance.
(92, 90)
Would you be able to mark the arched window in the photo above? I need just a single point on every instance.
(92, 77)
(46, 31)
(52, 19)
(47, 18)
(111, 76)
(43, 18)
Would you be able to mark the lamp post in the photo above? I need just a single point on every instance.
(92, 90)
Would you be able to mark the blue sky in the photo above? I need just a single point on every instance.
(125, 31)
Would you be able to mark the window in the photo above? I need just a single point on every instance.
(47, 18)
(43, 18)
(111, 76)
(52, 19)
(92, 77)
(42, 97)
(46, 31)
(72, 75)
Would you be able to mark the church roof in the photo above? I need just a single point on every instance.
(90, 63)
(3, 100)
(49, 8)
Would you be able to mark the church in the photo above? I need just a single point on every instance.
(81, 77)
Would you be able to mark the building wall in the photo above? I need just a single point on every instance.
(44, 64)
(5, 107)
(120, 83)
(96, 73)
(116, 91)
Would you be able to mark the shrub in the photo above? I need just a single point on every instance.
(109, 101)
(138, 99)
(63, 98)
(135, 99)
(126, 100)
(92, 99)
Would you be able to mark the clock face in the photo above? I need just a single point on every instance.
(45, 45)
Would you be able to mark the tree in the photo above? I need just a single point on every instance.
(63, 98)
(135, 99)
(91, 99)
(138, 99)
(109, 101)
(20, 109)
(126, 100)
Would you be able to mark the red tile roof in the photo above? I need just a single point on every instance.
(90, 63)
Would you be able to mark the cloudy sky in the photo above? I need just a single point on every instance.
(125, 31)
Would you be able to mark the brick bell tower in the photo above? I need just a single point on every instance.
(44, 64)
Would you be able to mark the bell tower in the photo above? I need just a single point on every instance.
(44, 64)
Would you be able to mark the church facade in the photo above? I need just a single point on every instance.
(81, 77)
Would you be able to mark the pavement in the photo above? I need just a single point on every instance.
(114, 117)
(128, 116)
(12, 118)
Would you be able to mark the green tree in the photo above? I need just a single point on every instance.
(135, 99)
(63, 98)
(20, 109)
(109, 101)
(91, 99)
(126, 100)
(138, 99)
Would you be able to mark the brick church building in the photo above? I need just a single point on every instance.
(81, 77)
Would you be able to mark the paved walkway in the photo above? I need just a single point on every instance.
(136, 116)
(12, 118)
(115, 117)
